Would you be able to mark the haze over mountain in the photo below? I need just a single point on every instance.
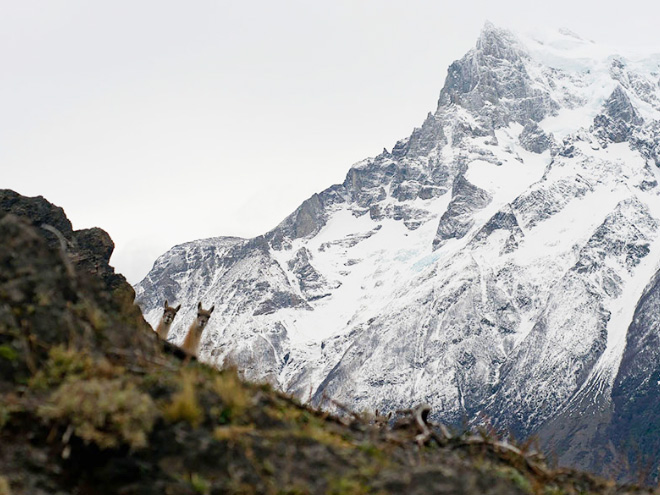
(500, 263)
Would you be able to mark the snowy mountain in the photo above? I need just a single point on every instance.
(500, 263)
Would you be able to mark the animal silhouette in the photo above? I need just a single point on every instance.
(194, 336)
(165, 323)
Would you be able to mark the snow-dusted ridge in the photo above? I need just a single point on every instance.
(491, 263)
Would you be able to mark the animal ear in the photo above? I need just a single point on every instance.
(199, 306)
(177, 308)
(165, 302)
(212, 308)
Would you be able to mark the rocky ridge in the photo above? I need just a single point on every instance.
(92, 402)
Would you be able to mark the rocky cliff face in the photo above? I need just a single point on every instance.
(491, 264)
(88, 249)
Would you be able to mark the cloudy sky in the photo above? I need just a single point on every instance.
(164, 122)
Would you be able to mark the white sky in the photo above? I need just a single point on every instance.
(164, 122)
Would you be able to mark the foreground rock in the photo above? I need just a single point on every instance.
(92, 402)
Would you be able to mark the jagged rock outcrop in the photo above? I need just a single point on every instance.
(458, 219)
(618, 119)
(534, 139)
(89, 249)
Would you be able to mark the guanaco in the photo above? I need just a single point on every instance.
(166, 321)
(191, 342)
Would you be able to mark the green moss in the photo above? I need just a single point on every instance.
(70, 364)
(268, 467)
(553, 490)
(5, 414)
(105, 412)
(515, 476)
(200, 484)
(294, 490)
(371, 450)
(92, 314)
(7, 408)
(347, 486)
(9, 353)
(62, 363)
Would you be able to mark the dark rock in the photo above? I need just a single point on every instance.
(279, 300)
(647, 141)
(312, 284)
(618, 119)
(52, 304)
(635, 425)
(96, 242)
(426, 138)
(38, 211)
(532, 138)
(457, 220)
(502, 220)
(88, 249)
(307, 220)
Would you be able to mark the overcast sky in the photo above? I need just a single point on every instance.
(163, 122)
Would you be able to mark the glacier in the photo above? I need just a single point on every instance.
(500, 264)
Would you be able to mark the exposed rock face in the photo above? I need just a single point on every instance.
(308, 219)
(89, 249)
(533, 139)
(636, 391)
(50, 302)
(36, 210)
(619, 118)
(458, 220)
(489, 265)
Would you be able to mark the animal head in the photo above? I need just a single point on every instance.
(169, 313)
(203, 316)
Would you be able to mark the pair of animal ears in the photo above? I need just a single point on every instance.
(199, 307)
(175, 309)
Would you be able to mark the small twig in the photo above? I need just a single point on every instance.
(63, 250)
(499, 446)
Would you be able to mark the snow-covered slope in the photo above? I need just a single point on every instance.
(490, 264)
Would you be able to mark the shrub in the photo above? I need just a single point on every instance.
(104, 412)
(184, 405)
(232, 392)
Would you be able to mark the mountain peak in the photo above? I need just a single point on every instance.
(491, 81)
(498, 43)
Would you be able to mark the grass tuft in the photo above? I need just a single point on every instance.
(184, 405)
(4, 486)
(232, 392)
(107, 413)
